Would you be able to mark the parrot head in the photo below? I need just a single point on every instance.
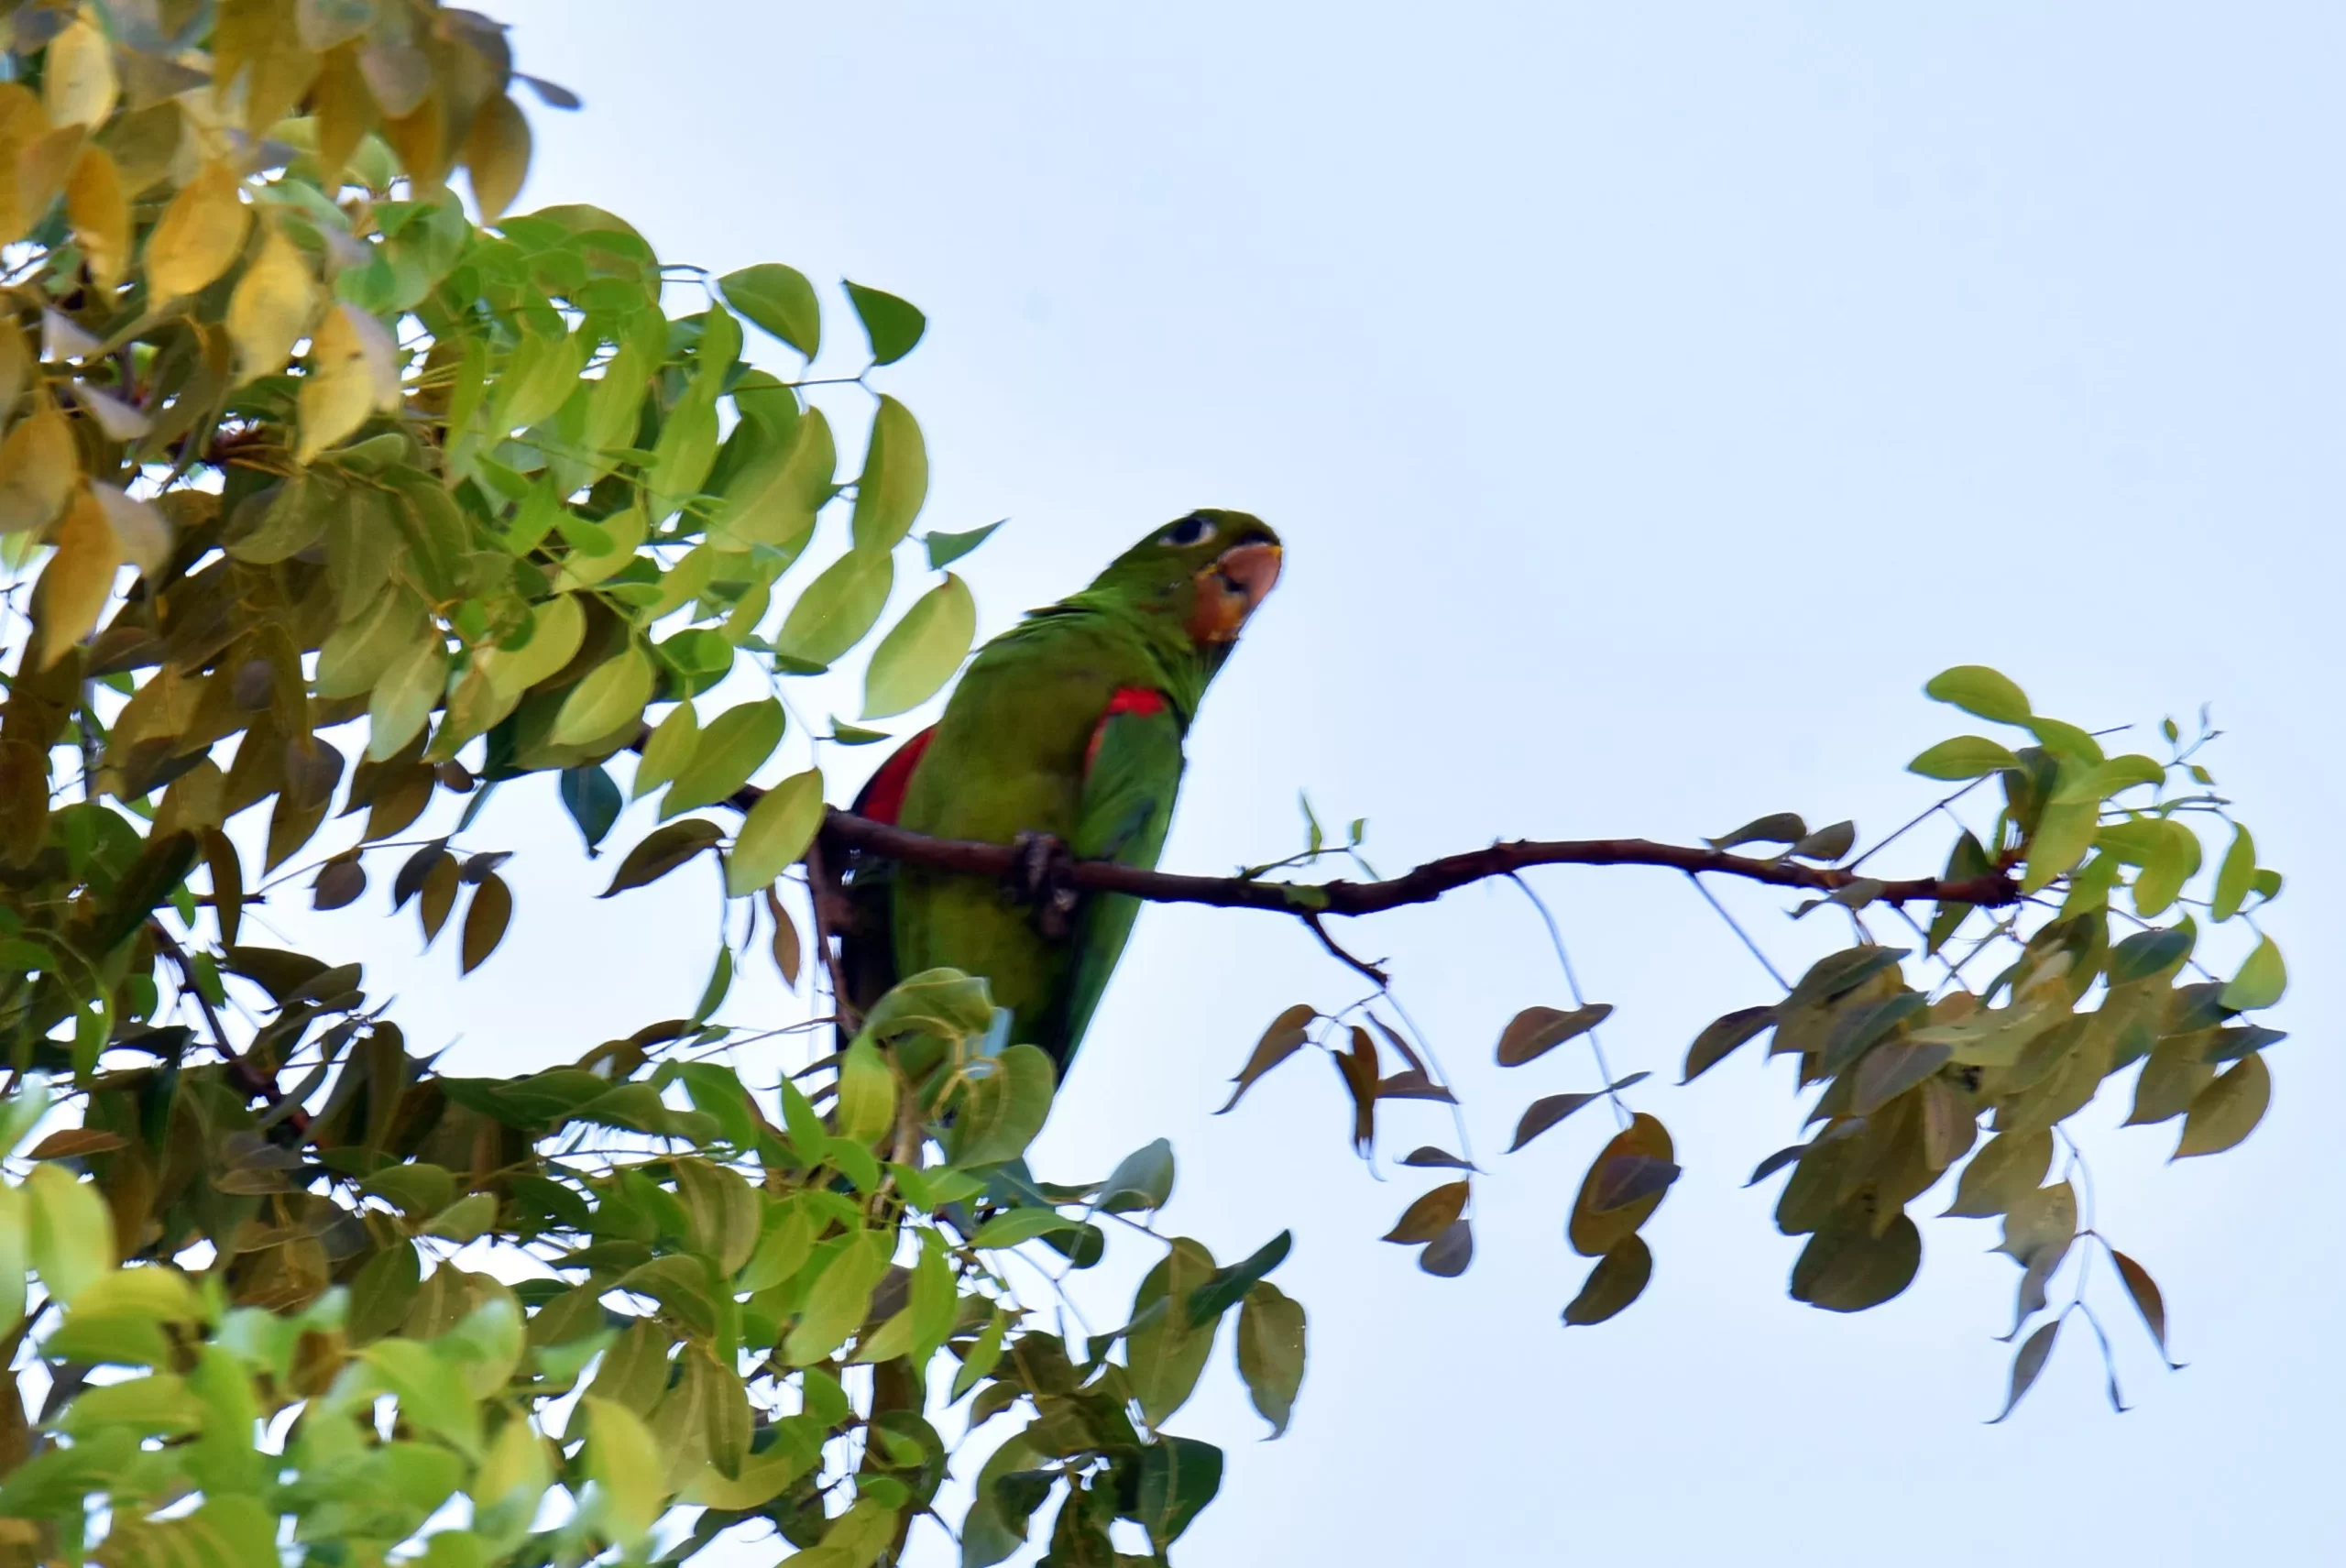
(1207, 571)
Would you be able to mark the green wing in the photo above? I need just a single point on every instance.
(1133, 774)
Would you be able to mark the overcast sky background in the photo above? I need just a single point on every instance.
(1651, 398)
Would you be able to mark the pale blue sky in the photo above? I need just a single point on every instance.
(1651, 397)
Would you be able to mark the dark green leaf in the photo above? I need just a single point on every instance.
(2026, 1365)
(1619, 1278)
(892, 324)
(1179, 1475)
(592, 799)
(662, 852)
(1447, 1256)
(944, 549)
(1778, 827)
(1228, 1286)
(1535, 1031)
(1719, 1038)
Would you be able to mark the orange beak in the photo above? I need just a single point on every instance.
(1240, 578)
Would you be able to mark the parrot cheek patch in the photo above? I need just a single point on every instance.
(1228, 591)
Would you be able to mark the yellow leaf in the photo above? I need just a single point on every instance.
(42, 166)
(353, 371)
(99, 214)
(272, 307)
(16, 367)
(78, 580)
(345, 111)
(497, 151)
(140, 528)
(199, 234)
(38, 465)
(78, 83)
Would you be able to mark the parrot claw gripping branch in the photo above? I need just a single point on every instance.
(336, 502)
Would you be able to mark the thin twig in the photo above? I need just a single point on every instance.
(1733, 924)
(1376, 977)
(253, 1084)
(1572, 983)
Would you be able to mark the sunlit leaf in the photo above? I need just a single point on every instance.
(773, 836)
(919, 656)
(1981, 691)
(2228, 1110)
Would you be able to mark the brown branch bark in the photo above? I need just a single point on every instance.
(1422, 885)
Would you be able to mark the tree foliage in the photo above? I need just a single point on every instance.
(327, 501)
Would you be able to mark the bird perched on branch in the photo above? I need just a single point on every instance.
(1064, 737)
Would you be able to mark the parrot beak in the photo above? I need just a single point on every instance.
(1240, 578)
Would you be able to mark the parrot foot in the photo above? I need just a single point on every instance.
(1040, 877)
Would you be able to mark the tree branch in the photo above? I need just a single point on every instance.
(1422, 885)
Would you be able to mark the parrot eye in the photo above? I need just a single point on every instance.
(1188, 531)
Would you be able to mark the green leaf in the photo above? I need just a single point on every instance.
(626, 1469)
(431, 1391)
(773, 499)
(2173, 860)
(1778, 827)
(2062, 835)
(1141, 1179)
(1005, 1101)
(411, 686)
(867, 1094)
(72, 1235)
(1229, 1286)
(2236, 877)
(666, 753)
(894, 482)
(1164, 1352)
(837, 609)
(2261, 981)
(2146, 953)
(1978, 690)
(775, 833)
(920, 654)
(712, 996)
(840, 1300)
(663, 851)
(780, 300)
(855, 735)
(611, 696)
(1271, 1352)
(2228, 1110)
(1015, 1227)
(735, 745)
(944, 549)
(1178, 1476)
(1619, 1278)
(1965, 757)
(892, 324)
(16, 1250)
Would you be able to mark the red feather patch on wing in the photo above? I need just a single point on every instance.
(882, 798)
(1146, 701)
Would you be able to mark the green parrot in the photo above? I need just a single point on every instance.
(1068, 725)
